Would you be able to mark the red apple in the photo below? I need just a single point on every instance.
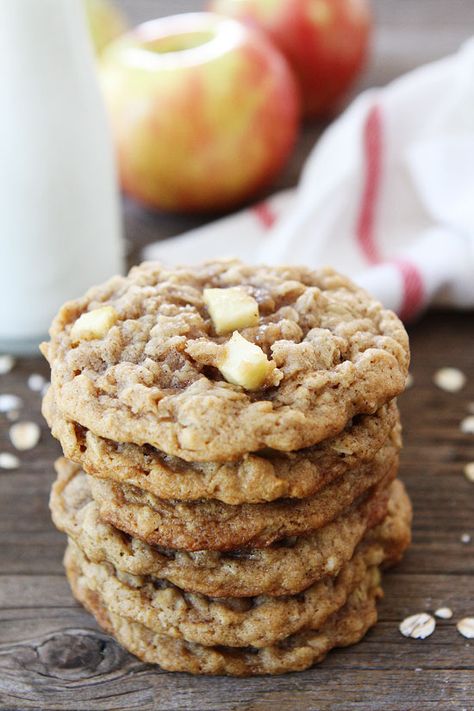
(325, 42)
(204, 111)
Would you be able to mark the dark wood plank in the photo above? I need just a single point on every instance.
(52, 654)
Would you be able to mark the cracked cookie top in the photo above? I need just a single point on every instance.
(147, 367)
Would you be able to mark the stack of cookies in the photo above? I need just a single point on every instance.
(232, 442)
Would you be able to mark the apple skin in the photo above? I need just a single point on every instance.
(105, 21)
(202, 128)
(326, 42)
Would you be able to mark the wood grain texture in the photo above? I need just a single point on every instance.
(52, 654)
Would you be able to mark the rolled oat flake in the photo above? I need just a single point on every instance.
(466, 627)
(467, 425)
(450, 379)
(24, 435)
(9, 461)
(36, 382)
(469, 471)
(7, 363)
(418, 626)
(10, 402)
(444, 613)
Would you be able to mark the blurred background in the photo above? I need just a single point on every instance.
(407, 34)
(164, 124)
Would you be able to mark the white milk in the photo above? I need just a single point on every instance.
(59, 207)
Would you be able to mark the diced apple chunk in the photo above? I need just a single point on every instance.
(94, 324)
(231, 309)
(245, 364)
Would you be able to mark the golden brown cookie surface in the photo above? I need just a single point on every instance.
(285, 568)
(236, 622)
(152, 377)
(295, 653)
(212, 525)
(255, 478)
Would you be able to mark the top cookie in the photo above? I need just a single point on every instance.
(148, 368)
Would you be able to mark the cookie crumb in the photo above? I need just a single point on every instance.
(451, 380)
(36, 382)
(7, 363)
(10, 402)
(25, 435)
(444, 613)
(418, 626)
(469, 471)
(467, 425)
(466, 627)
(8, 461)
(465, 538)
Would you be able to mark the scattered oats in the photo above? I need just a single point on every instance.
(36, 382)
(465, 538)
(450, 379)
(466, 627)
(7, 363)
(8, 461)
(25, 435)
(418, 669)
(469, 471)
(418, 626)
(10, 402)
(13, 415)
(409, 381)
(444, 613)
(467, 425)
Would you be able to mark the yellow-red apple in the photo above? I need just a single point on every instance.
(204, 111)
(325, 42)
(106, 22)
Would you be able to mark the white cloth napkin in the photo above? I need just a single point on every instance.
(386, 196)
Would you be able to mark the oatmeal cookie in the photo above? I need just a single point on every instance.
(295, 653)
(212, 525)
(235, 622)
(285, 568)
(255, 478)
(152, 374)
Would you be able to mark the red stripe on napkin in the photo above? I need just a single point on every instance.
(413, 289)
(412, 280)
(264, 214)
(372, 146)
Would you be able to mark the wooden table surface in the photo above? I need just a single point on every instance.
(52, 654)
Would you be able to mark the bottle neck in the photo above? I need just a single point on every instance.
(38, 28)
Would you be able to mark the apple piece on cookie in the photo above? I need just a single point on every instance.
(231, 309)
(244, 363)
(94, 324)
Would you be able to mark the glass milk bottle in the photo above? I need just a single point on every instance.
(59, 205)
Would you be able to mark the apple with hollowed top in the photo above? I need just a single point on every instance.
(325, 42)
(204, 111)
